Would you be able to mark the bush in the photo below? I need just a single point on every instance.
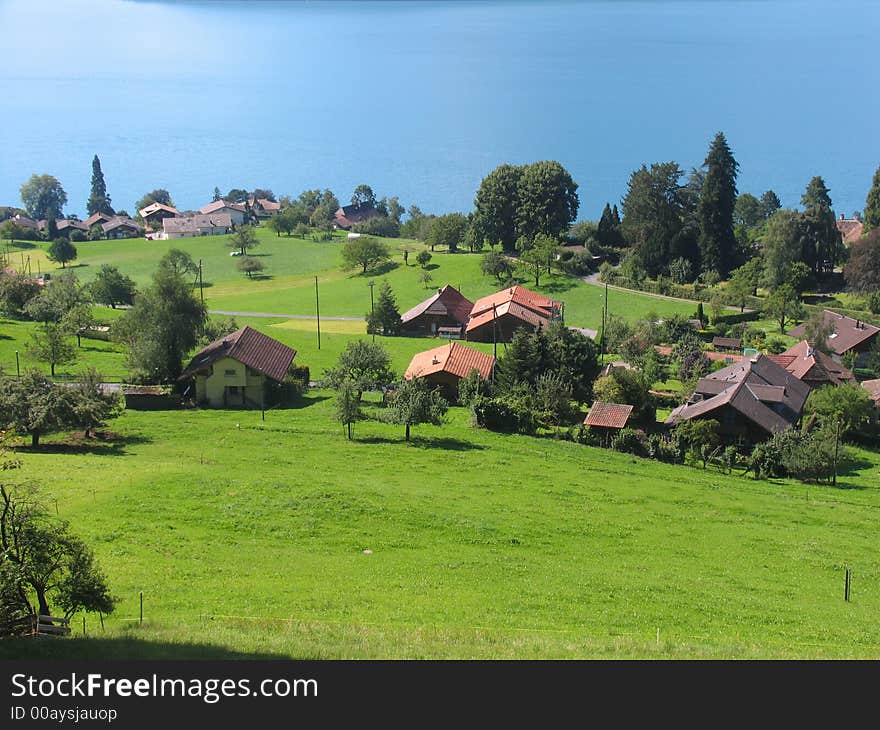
(629, 441)
(506, 415)
(379, 226)
(577, 263)
(665, 448)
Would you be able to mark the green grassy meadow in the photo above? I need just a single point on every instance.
(247, 538)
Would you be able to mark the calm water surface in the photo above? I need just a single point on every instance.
(422, 99)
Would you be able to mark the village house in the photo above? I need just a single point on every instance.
(155, 213)
(751, 400)
(607, 419)
(443, 367)
(99, 218)
(498, 316)
(263, 207)
(349, 215)
(446, 310)
(65, 227)
(850, 229)
(812, 366)
(236, 211)
(848, 335)
(121, 227)
(197, 225)
(25, 222)
(231, 372)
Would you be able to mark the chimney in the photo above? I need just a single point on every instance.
(435, 360)
(842, 217)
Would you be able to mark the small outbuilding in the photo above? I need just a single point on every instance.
(231, 372)
(727, 344)
(445, 366)
(608, 418)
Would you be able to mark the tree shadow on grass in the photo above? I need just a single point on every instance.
(261, 277)
(125, 647)
(308, 400)
(431, 267)
(104, 444)
(382, 269)
(447, 444)
(558, 286)
(25, 245)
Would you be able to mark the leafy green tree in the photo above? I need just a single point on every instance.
(363, 196)
(523, 360)
(385, 317)
(799, 277)
(91, 406)
(748, 211)
(159, 195)
(426, 279)
(325, 210)
(99, 201)
(415, 403)
(547, 200)
(162, 327)
(365, 364)
(348, 405)
(783, 305)
(862, 270)
(872, 204)
(243, 239)
(34, 405)
(716, 207)
(77, 320)
(366, 252)
(533, 262)
(111, 287)
(496, 264)
(423, 258)
(16, 290)
(553, 398)
(770, 203)
(179, 262)
(817, 331)
(249, 266)
(395, 210)
(496, 203)
(43, 197)
(627, 387)
(698, 438)
(448, 230)
(49, 344)
(62, 251)
(217, 196)
(378, 226)
(681, 270)
(847, 404)
(472, 387)
(574, 357)
(781, 243)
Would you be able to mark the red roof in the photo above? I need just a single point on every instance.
(455, 358)
(519, 295)
(608, 415)
(807, 363)
(850, 229)
(448, 301)
(220, 205)
(249, 347)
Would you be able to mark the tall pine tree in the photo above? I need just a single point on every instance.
(715, 208)
(822, 244)
(872, 204)
(608, 230)
(385, 317)
(99, 201)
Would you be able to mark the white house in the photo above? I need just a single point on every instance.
(235, 211)
(197, 225)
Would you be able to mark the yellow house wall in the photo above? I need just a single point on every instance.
(210, 388)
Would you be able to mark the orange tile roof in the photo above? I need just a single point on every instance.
(608, 415)
(447, 300)
(455, 358)
(512, 308)
(518, 295)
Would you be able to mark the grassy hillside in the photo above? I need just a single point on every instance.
(248, 538)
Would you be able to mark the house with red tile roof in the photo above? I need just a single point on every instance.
(446, 308)
(263, 207)
(497, 317)
(231, 371)
(812, 366)
(443, 367)
(751, 400)
(847, 335)
(850, 229)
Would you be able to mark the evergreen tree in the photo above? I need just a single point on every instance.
(872, 204)
(217, 195)
(770, 203)
(99, 201)
(608, 230)
(821, 241)
(524, 359)
(385, 317)
(716, 206)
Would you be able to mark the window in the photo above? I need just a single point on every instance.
(229, 373)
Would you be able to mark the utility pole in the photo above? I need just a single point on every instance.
(371, 309)
(494, 333)
(17, 366)
(201, 283)
(836, 449)
(318, 312)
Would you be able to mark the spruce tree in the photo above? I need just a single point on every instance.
(821, 241)
(716, 206)
(99, 201)
(872, 204)
(770, 203)
(608, 230)
(385, 317)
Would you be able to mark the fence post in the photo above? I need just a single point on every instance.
(84, 624)
(142, 607)
(848, 584)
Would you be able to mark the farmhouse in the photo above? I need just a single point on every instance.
(751, 400)
(850, 229)
(236, 211)
(445, 366)
(608, 418)
(65, 227)
(155, 213)
(498, 316)
(815, 368)
(25, 222)
(97, 218)
(197, 225)
(263, 207)
(121, 228)
(447, 308)
(348, 215)
(848, 335)
(231, 371)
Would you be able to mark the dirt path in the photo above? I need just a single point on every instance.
(276, 315)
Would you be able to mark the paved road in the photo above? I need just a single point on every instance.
(276, 315)
(594, 280)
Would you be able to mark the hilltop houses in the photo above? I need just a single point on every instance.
(263, 207)
(445, 366)
(446, 310)
(848, 335)
(231, 371)
(155, 213)
(196, 225)
(498, 316)
(236, 211)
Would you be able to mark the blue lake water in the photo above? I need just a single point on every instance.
(422, 99)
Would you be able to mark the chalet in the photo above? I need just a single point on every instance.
(263, 207)
(608, 418)
(197, 225)
(121, 227)
(498, 316)
(65, 227)
(751, 400)
(25, 222)
(812, 366)
(847, 335)
(155, 213)
(447, 308)
(236, 211)
(99, 218)
(348, 215)
(850, 229)
(445, 366)
(232, 371)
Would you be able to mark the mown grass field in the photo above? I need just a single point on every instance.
(248, 538)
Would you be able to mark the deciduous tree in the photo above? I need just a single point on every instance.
(43, 197)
